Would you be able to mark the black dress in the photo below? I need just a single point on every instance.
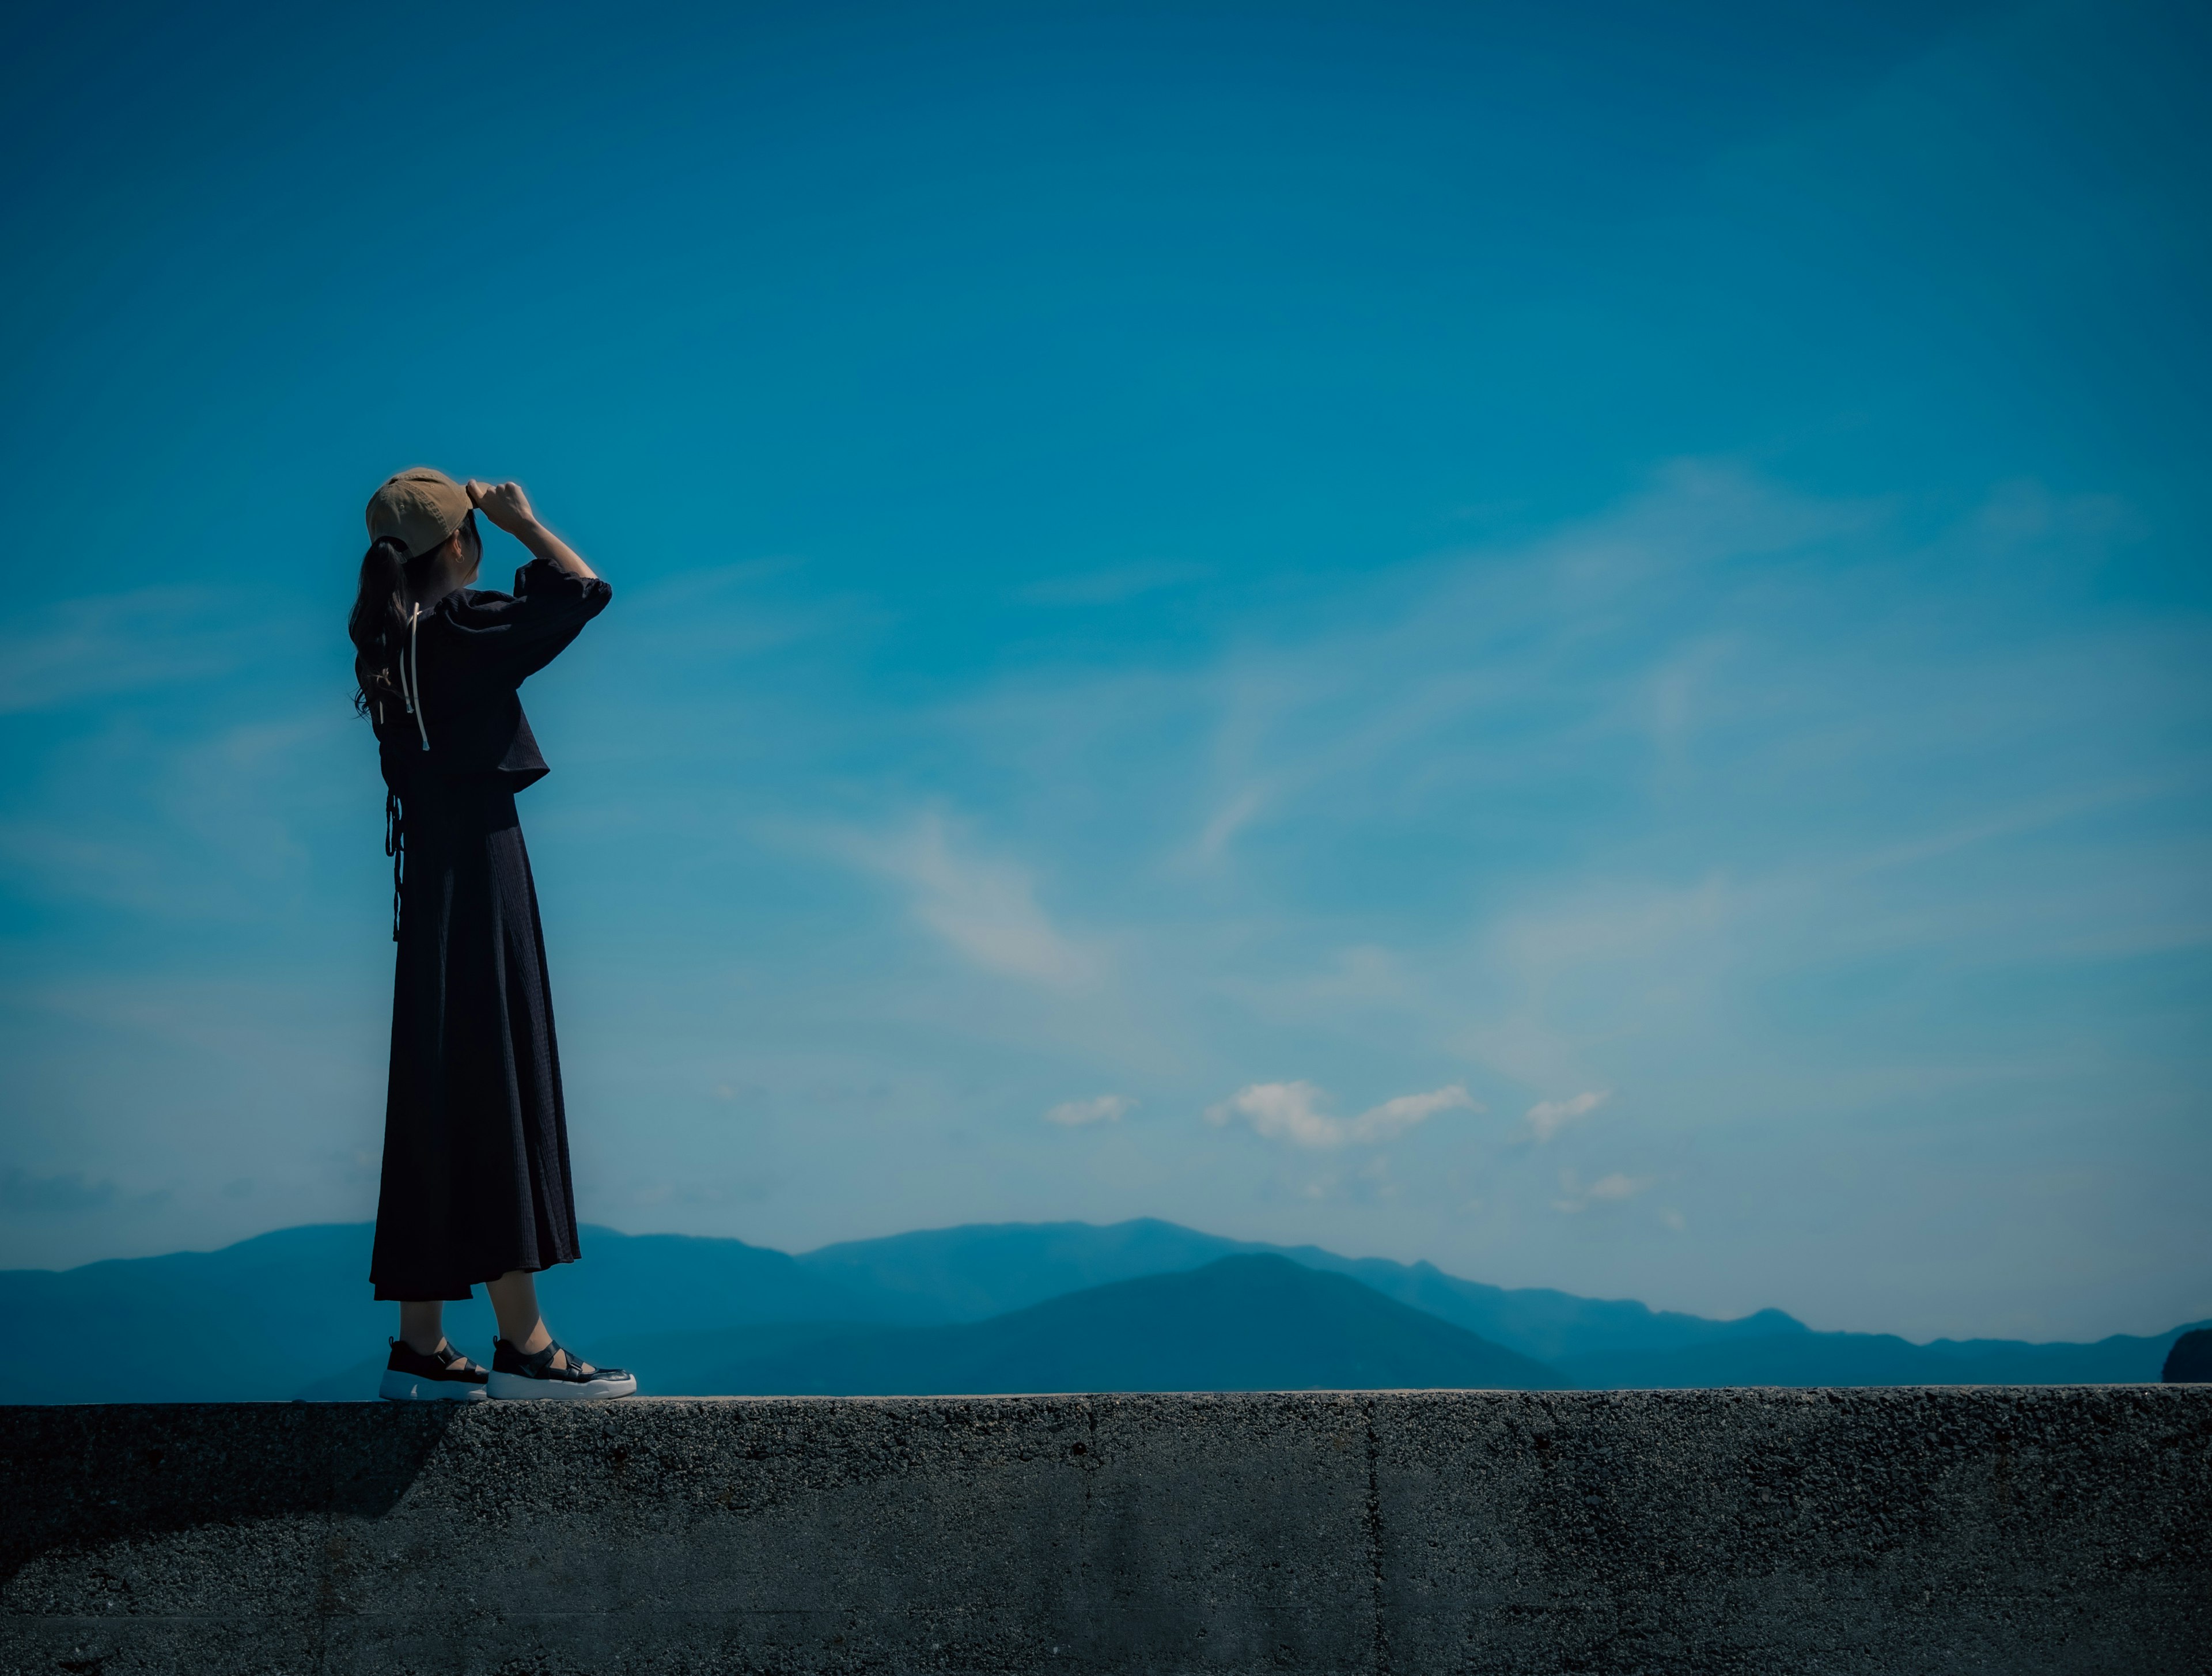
(476, 1144)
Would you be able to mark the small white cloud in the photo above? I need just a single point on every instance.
(1394, 1117)
(1615, 1186)
(1291, 1112)
(1280, 1111)
(1674, 1219)
(1074, 1113)
(1547, 1117)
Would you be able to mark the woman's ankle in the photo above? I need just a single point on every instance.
(531, 1342)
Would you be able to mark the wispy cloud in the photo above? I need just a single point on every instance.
(1394, 1117)
(184, 832)
(1614, 1187)
(1291, 1113)
(1547, 1117)
(985, 909)
(1074, 1113)
(1111, 587)
(1226, 822)
(78, 649)
(20, 1191)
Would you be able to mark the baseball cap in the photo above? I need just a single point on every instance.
(418, 507)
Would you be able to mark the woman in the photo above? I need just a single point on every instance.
(476, 1147)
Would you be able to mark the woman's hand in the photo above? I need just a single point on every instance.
(505, 504)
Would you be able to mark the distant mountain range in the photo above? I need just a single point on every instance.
(1141, 1305)
(1247, 1323)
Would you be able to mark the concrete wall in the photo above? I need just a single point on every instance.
(2008, 1531)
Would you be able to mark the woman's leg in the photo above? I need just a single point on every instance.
(423, 1325)
(514, 1301)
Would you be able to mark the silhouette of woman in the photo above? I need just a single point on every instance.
(476, 1146)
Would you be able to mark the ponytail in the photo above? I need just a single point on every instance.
(392, 585)
(377, 623)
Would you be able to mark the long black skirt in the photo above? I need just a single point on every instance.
(476, 1142)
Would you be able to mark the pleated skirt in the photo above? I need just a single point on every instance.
(476, 1139)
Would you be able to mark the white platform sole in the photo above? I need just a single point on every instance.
(413, 1387)
(520, 1387)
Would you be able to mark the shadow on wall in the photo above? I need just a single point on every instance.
(87, 1475)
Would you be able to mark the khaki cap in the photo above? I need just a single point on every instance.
(419, 507)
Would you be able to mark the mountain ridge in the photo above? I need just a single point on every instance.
(1245, 1322)
(1537, 1321)
(287, 1311)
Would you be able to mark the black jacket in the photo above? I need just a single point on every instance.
(464, 660)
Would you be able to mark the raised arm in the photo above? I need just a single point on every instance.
(509, 507)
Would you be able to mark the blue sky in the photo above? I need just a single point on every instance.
(1567, 640)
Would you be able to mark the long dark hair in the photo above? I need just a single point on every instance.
(377, 625)
(391, 584)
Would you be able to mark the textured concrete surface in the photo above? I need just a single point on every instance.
(2010, 1530)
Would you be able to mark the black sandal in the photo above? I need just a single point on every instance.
(517, 1377)
(443, 1376)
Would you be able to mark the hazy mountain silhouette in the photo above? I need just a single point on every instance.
(261, 1319)
(1597, 1343)
(290, 1312)
(986, 1268)
(1244, 1323)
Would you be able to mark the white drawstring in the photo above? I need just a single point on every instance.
(411, 690)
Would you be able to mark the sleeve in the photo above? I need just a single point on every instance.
(511, 638)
